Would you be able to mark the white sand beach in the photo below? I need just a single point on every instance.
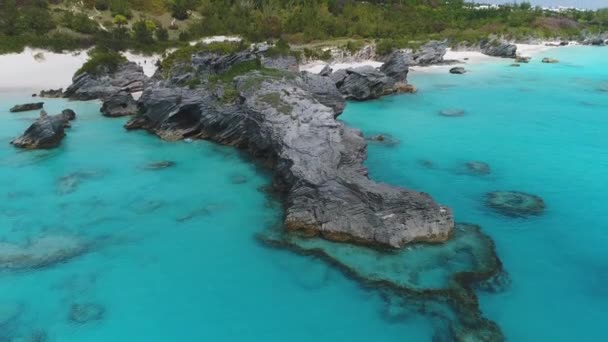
(33, 69)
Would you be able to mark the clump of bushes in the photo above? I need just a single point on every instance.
(100, 60)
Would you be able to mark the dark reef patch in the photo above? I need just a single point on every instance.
(478, 168)
(515, 203)
(427, 164)
(70, 183)
(382, 139)
(437, 280)
(238, 179)
(163, 164)
(452, 112)
(82, 313)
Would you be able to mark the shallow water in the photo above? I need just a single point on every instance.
(172, 254)
(543, 129)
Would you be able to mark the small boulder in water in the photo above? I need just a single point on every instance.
(451, 112)
(27, 107)
(86, 312)
(550, 60)
(515, 65)
(515, 203)
(458, 70)
(522, 59)
(478, 168)
(163, 164)
(46, 132)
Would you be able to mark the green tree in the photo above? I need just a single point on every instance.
(161, 33)
(143, 31)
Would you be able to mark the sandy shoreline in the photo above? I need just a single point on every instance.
(459, 58)
(33, 69)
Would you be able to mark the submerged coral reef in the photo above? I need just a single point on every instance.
(437, 279)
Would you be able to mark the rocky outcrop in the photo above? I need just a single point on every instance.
(429, 53)
(117, 105)
(366, 82)
(52, 93)
(396, 66)
(498, 48)
(324, 91)
(281, 62)
(458, 70)
(128, 77)
(26, 107)
(326, 71)
(46, 132)
(318, 161)
(363, 83)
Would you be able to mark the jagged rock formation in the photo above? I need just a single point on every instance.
(498, 48)
(121, 104)
(396, 66)
(324, 90)
(128, 77)
(326, 71)
(363, 83)
(282, 62)
(46, 132)
(26, 107)
(286, 120)
(52, 93)
(366, 82)
(429, 53)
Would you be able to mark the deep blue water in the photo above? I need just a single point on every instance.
(171, 255)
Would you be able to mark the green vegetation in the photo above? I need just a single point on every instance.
(274, 100)
(101, 59)
(148, 25)
(184, 54)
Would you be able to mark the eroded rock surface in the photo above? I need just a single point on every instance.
(498, 48)
(128, 77)
(117, 105)
(318, 160)
(26, 107)
(46, 132)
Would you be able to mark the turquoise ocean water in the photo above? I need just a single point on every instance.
(171, 254)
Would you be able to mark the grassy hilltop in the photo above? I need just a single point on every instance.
(154, 25)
